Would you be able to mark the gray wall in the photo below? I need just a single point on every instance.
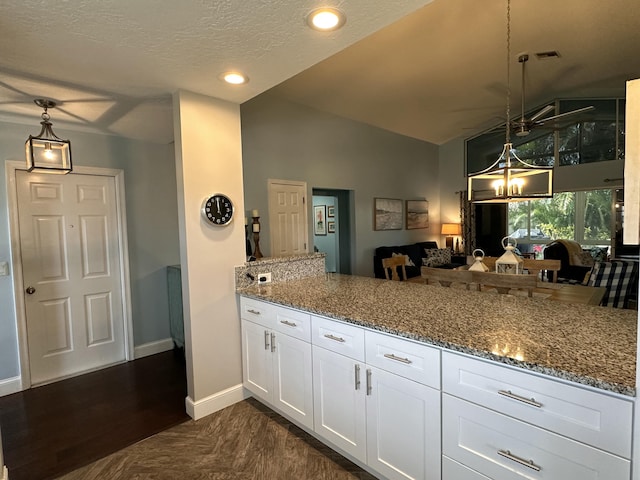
(152, 223)
(286, 141)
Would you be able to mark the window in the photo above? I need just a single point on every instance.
(590, 137)
(581, 216)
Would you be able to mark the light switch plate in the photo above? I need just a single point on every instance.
(4, 269)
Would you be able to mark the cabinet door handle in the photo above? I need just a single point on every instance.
(513, 396)
(521, 461)
(369, 387)
(255, 312)
(288, 323)
(357, 379)
(391, 356)
(273, 342)
(334, 338)
(266, 340)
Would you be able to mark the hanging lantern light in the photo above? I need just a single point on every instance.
(509, 262)
(46, 152)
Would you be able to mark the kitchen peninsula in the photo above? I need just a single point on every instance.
(420, 381)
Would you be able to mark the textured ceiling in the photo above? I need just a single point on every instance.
(113, 64)
(433, 71)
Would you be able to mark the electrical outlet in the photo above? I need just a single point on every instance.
(264, 277)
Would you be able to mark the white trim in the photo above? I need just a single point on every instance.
(16, 259)
(152, 348)
(5, 473)
(215, 402)
(9, 386)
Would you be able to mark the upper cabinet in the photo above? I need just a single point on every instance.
(632, 165)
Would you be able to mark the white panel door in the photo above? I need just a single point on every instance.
(339, 401)
(72, 273)
(403, 427)
(287, 217)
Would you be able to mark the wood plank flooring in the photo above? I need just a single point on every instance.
(87, 428)
(245, 441)
(56, 428)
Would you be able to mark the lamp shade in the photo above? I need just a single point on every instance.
(451, 229)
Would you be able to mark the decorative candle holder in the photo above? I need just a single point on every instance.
(246, 236)
(255, 227)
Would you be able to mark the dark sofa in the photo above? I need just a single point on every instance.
(415, 251)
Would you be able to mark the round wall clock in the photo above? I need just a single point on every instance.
(218, 209)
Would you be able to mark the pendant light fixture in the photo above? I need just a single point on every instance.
(46, 152)
(510, 179)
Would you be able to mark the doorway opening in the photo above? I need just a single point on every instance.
(335, 236)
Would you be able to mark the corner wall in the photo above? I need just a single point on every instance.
(287, 141)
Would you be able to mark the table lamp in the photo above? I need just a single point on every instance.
(450, 229)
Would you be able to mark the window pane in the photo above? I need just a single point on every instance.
(597, 215)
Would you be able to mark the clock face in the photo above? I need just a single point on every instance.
(218, 209)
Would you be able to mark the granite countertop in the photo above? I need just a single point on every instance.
(590, 345)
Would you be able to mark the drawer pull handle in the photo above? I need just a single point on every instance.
(357, 371)
(255, 312)
(391, 356)
(273, 342)
(288, 323)
(528, 401)
(334, 338)
(369, 386)
(521, 461)
(266, 340)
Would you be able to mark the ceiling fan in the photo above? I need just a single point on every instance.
(523, 126)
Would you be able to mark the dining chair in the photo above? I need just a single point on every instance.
(619, 277)
(391, 265)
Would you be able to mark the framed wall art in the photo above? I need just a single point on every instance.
(331, 227)
(331, 211)
(320, 220)
(417, 214)
(387, 214)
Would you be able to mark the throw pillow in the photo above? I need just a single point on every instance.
(434, 257)
(583, 259)
(407, 262)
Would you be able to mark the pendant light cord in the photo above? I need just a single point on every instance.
(508, 128)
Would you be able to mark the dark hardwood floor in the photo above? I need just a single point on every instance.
(54, 429)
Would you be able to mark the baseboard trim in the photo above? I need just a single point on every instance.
(9, 386)
(152, 348)
(215, 402)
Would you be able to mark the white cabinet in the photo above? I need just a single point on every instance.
(503, 448)
(277, 367)
(377, 416)
(506, 423)
(339, 401)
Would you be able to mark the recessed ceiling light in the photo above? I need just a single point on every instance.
(326, 19)
(234, 78)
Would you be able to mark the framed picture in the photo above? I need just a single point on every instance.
(319, 220)
(331, 227)
(417, 214)
(331, 211)
(387, 214)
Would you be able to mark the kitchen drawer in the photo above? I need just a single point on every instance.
(338, 337)
(594, 418)
(452, 470)
(503, 448)
(294, 323)
(405, 358)
(259, 312)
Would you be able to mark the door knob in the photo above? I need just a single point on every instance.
(30, 290)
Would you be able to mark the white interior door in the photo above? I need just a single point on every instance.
(71, 273)
(287, 217)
